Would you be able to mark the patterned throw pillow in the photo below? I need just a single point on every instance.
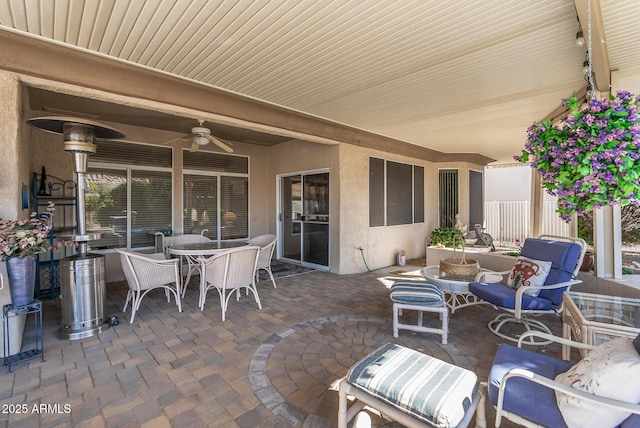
(612, 370)
(529, 273)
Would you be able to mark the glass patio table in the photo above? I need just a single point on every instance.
(596, 318)
(194, 253)
(456, 287)
(204, 248)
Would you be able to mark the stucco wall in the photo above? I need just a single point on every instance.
(296, 157)
(14, 153)
(382, 244)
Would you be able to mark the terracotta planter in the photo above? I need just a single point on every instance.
(587, 262)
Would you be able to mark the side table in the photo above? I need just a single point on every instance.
(596, 318)
(455, 287)
(9, 312)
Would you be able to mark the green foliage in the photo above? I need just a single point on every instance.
(630, 221)
(591, 159)
(444, 236)
(512, 253)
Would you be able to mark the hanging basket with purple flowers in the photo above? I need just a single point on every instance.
(592, 158)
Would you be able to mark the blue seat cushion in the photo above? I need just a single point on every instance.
(416, 293)
(427, 388)
(523, 397)
(563, 256)
(632, 421)
(504, 296)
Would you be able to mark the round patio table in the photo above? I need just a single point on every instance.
(204, 248)
(456, 287)
(195, 253)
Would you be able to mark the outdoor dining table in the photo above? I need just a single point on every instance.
(195, 252)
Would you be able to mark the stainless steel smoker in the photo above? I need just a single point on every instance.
(82, 276)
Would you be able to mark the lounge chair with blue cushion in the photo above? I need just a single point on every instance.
(547, 267)
(536, 390)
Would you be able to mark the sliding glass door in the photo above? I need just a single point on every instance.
(304, 218)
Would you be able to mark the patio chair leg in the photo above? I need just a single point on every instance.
(342, 407)
(396, 313)
(481, 417)
(126, 302)
(272, 279)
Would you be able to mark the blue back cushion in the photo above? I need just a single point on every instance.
(523, 397)
(563, 256)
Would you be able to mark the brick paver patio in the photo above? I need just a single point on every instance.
(274, 367)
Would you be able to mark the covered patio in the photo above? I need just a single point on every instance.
(274, 367)
(379, 109)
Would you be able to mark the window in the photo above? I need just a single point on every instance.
(396, 193)
(200, 195)
(376, 192)
(476, 199)
(216, 194)
(448, 196)
(128, 194)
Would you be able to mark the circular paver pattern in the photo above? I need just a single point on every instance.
(295, 371)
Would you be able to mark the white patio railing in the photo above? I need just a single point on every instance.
(508, 222)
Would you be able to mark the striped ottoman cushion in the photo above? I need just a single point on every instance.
(429, 389)
(416, 293)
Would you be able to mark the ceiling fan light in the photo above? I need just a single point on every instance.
(200, 140)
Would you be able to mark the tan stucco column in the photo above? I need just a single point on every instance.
(14, 165)
(607, 234)
(537, 195)
(607, 230)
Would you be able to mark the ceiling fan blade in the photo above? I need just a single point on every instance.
(224, 146)
(184, 137)
(194, 147)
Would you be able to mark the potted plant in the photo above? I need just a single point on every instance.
(443, 237)
(20, 243)
(592, 158)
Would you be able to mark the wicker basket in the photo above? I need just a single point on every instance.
(460, 266)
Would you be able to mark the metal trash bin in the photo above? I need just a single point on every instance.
(83, 296)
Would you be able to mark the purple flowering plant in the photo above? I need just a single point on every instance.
(592, 158)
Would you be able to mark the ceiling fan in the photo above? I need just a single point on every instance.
(201, 136)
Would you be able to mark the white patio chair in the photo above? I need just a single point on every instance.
(553, 261)
(146, 272)
(267, 244)
(227, 272)
(535, 390)
(190, 265)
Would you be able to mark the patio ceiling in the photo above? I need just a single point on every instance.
(454, 76)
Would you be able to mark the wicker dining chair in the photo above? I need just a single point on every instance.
(146, 272)
(267, 244)
(229, 272)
